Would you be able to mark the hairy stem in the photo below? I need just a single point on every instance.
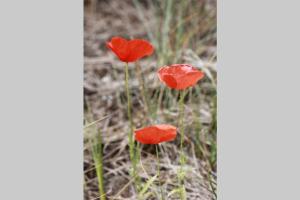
(130, 135)
(182, 158)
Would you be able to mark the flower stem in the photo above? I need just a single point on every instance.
(182, 158)
(130, 135)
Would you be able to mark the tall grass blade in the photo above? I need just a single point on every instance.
(98, 160)
(147, 185)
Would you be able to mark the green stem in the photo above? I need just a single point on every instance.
(182, 158)
(130, 135)
(158, 170)
(181, 125)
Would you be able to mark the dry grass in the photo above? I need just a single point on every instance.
(190, 38)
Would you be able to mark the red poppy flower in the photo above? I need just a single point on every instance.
(130, 50)
(156, 134)
(179, 76)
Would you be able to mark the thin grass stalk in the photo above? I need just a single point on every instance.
(213, 187)
(142, 87)
(98, 159)
(163, 55)
(96, 147)
(137, 158)
(198, 141)
(213, 130)
(158, 171)
(182, 158)
(145, 22)
(179, 32)
(166, 27)
(160, 96)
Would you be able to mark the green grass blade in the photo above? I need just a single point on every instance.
(97, 157)
(147, 185)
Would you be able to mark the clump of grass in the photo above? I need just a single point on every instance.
(97, 156)
(95, 143)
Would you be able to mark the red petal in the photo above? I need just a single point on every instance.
(180, 76)
(169, 132)
(169, 80)
(137, 49)
(147, 135)
(190, 79)
(156, 134)
(120, 47)
(166, 77)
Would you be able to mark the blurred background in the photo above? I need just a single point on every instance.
(182, 31)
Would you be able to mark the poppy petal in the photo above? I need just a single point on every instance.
(190, 79)
(169, 80)
(147, 135)
(137, 49)
(166, 77)
(169, 132)
(120, 47)
(180, 76)
(156, 134)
